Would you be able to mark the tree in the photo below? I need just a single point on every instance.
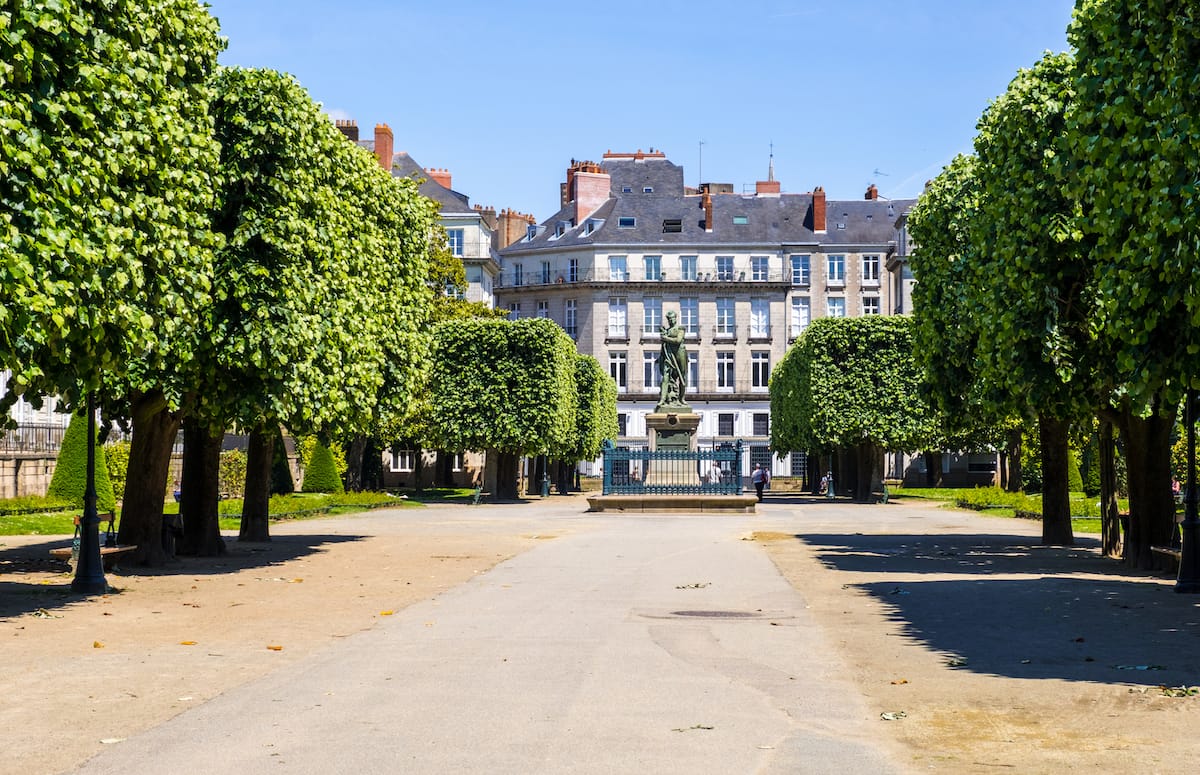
(851, 383)
(105, 251)
(1132, 133)
(595, 416)
(70, 470)
(321, 474)
(507, 387)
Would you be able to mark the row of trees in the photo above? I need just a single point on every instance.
(1057, 265)
(201, 248)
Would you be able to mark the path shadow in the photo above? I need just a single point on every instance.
(1018, 610)
(32, 581)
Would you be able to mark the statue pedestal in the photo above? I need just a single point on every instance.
(672, 431)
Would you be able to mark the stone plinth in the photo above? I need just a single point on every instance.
(673, 504)
(672, 431)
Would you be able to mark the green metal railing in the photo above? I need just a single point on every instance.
(715, 471)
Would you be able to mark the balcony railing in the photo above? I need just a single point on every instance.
(563, 277)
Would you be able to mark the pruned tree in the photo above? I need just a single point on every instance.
(851, 383)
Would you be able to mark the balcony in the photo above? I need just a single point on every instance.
(605, 275)
(724, 332)
(616, 332)
(758, 333)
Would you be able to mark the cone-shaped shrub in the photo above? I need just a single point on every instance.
(321, 474)
(70, 472)
(281, 472)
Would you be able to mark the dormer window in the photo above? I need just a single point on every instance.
(648, 190)
(626, 189)
(626, 222)
(672, 225)
(530, 232)
(561, 228)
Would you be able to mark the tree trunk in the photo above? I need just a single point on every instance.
(201, 483)
(256, 500)
(1014, 460)
(868, 465)
(1151, 502)
(1056, 498)
(562, 477)
(354, 463)
(503, 467)
(933, 468)
(814, 470)
(154, 432)
(1110, 518)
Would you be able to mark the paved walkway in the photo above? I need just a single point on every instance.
(650, 644)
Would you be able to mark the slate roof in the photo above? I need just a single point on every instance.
(404, 166)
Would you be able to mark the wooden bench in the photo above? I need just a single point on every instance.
(108, 554)
(1168, 551)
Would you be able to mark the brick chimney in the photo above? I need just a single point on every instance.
(872, 192)
(383, 146)
(348, 127)
(818, 209)
(589, 187)
(512, 226)
(440, 176)
(706, 203)
(767, 187)
(489, 216)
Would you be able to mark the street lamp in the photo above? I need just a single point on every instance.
(89, 570)
(1189, 560)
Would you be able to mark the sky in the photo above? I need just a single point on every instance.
(505, 95)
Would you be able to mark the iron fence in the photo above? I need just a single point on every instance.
(32, 438)
(641, 471)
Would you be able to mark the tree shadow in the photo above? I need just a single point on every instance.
(32, 582)
(1026, 611)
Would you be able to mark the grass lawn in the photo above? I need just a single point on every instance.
(1085, 511)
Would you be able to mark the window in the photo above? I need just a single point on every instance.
(760, 369)
(689, 314)
(760, 318)
(762, 424)
(800, 270)
(618, 369)
(570, 322)
(573, 270)
(618, 317)
(725, 371)
(801, 314)
(651, 315)
(402, 460)
(617, 270)
(648, 189)
(672, 225)
(626, 222)
(758, 268)
(693, 385)
(837, 307)
(870, 305)
(543, 309)
(454, 240)
(725, 316)
(687, 268)
(650, 376)
(514, 310)
(870, 267)
(518, 274)
(836, 269)
(725, 424)
(626, 189)
(799, 465)
(531, 231)
(622, 424)
(560, 228)
(740, 220)
(653, 266)
(545, 273)
(724, 267)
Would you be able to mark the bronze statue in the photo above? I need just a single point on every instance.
(672, 363)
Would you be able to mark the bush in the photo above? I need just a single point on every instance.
(116, 458)
(1074, 478)
(70, 472)
(232, 473)
(321, 474)
(281, 472)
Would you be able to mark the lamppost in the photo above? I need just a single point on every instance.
(1189, 561)
(89, 570)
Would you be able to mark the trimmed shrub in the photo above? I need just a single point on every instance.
(321, 474)
(70, 472)
(116, 459)
(1074, 478)
(281, 473)
(232, 473)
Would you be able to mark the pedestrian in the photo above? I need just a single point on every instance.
(714, 473)
(759, 478)
(824, 484)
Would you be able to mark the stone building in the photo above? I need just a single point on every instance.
(745, 272)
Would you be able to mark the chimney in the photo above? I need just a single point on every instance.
(767, 187)
(590, 187)
(489, 216)
(872, 192)
(383, 146)
(441, 177)
(348, 127)
(706, 203)
(818, 209)
(512, 226)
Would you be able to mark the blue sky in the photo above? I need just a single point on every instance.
(504, 95)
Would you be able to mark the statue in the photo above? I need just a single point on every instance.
(672, 363)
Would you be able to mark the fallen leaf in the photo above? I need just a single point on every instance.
(893, 716)
(187, 643)
(275, 648)
(296, 581)
(97, 644)
(111, 740)
(899, 681)
(386, 613)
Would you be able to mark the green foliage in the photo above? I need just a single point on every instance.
(305, 445)
(116, 460)
(32, 504)
(105, 162)
(849, 381)
(1074, 478)
(321, 474)
(503, 385)
(231, 475)
(596, 418)
(1133, 133)
(70, 471)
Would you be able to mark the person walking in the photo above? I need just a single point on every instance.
(760, 478)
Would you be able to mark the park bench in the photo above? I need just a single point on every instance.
(1168, 551)
(109, 551)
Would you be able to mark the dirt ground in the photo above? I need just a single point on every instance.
(989, 653)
